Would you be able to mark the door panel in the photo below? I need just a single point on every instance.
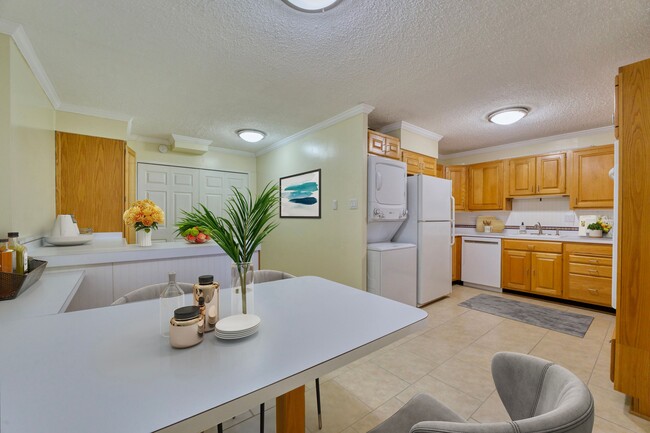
(546, 278)
(551, 174)
(516, 270)
(434, 261)
(435, 199)
(522, 176)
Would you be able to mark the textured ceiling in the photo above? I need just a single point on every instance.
(205, 68)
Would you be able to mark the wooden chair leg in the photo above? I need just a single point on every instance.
(320, 419)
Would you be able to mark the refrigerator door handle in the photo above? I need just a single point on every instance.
(453, 220)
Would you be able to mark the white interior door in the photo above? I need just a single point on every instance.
(173, 189)
(215, 188)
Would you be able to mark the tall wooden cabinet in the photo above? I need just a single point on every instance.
(91, 180)
(632, 360)
(591, 185)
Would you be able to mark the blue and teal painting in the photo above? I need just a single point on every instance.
(300, 195)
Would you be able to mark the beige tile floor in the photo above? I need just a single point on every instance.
(451, 360)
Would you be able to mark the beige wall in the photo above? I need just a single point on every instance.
(213, 159)
(541, 146)
(30, 149)
(334, 246)
(91, 125)
(5, 134)
(416, 142)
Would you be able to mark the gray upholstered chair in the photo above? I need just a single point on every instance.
(149, 292)
(540, 397)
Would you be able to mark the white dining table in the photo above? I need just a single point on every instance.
(109, 370)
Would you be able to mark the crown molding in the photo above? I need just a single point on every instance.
(231, 151)
(358, 109)
(95, 112)
(17, 32)
(532, 142)
(411, 128)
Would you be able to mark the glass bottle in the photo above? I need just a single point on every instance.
(5, 256)
(20, 258)
(171, 298)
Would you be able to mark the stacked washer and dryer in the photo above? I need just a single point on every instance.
(392, 266)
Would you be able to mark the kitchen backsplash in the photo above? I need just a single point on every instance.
(551, 211)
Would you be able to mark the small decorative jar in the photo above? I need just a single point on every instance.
(208, 289)
(186, 327)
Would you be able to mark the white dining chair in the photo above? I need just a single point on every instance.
(150, 292)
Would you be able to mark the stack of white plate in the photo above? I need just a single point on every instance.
(238, 326)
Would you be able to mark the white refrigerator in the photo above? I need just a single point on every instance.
(430, 225)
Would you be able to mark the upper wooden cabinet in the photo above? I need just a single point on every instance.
(383, 145)
(537, 175)
(485, 186)
(440, 171)
(417, 163)
(93, 175)
(591, 186)
(458, 176)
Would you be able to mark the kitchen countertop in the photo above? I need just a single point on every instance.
(563, 237)
(116, 250)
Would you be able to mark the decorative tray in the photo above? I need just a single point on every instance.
(12, 285)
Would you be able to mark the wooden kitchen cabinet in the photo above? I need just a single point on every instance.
(537, 175)
(417, 163)
(440, 171)
(591, 186)
(458, 176)
(456, 258)
(384, 145)
(92, 176)
(588, 273)
(485, 186)
(532, 266)
(632, 360)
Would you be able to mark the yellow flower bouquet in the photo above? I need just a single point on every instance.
(144, 215)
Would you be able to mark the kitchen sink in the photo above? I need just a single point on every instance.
(543, 235)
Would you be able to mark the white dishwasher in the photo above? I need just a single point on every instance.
(481, 266)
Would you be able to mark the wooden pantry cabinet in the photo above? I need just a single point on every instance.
(537, 175)
(384, 145)
(458, 176)
(532, 266)
(417, 163)
(588, 273)
(632, 359)
(591, 186)
(485, 186)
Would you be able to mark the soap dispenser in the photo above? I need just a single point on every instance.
(522, 228)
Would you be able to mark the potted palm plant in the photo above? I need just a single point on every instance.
(246, 223)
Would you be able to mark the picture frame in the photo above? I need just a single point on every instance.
(300, 195)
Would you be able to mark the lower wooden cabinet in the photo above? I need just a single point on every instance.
(588, 273)
(532, 266)
(576, 271)
(456, 258)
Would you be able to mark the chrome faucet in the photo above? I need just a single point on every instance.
(538, 226)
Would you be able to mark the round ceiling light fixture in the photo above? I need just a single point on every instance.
(251, 135)
(312, 5)
(508, 116)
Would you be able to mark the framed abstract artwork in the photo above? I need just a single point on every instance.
(300, 195)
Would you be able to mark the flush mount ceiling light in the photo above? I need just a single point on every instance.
(251, 135)
(508, 116)
(312, 5)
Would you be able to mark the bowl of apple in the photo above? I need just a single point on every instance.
(195, 235)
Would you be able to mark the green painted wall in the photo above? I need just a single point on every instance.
(334, 246)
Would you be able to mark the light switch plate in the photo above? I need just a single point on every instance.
(335, 204)
(354, 204)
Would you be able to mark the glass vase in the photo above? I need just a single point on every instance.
(242, 297)
(171, 298)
